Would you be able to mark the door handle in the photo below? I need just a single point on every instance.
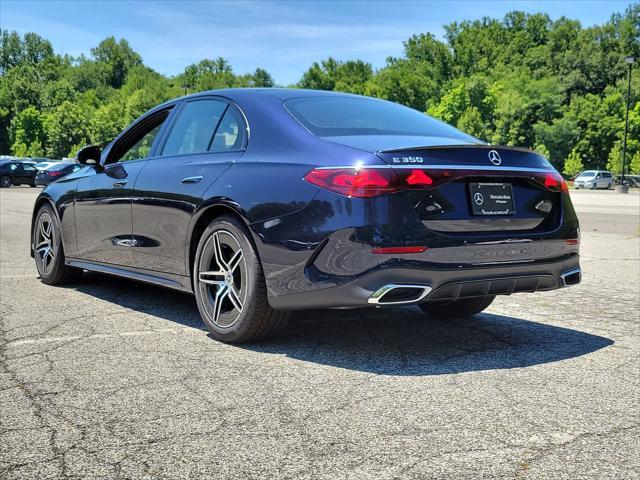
(195, 179)
(119, 183)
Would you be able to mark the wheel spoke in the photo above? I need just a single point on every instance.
(235, 298)
(42, 246)
(202, 276)
(217, 303)
(235, 261)
(43, 231)
(217, 252)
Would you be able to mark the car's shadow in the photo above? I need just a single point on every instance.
(400, 341)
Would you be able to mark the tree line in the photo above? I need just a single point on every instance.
(524, 80)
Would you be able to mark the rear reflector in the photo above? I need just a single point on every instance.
(572, 241)
(396, 250)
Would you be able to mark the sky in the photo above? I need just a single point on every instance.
(284, 37)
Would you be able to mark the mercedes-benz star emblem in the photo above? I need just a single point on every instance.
(478, 198)
(494, 157)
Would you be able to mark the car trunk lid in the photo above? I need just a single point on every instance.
(482, 188)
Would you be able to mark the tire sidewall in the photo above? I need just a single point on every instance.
(239, 231)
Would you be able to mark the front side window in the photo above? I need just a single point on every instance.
(142, 147)
(136, 144)
(333, 116)
(194, 130)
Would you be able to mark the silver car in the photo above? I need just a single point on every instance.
(594, 179)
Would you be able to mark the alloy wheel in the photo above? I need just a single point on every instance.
(222, 279)
(45, 244)
(5, 182)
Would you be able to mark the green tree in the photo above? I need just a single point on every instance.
(261, 78)
(573, 164)
(635, 163)
(66, 126)
(350, 76)
(27, 133)
(117, 58)
(542, 150)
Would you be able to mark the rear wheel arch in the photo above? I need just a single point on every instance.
(204, 218)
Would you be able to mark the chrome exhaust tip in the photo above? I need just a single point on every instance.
(398, 294)
(572, 277)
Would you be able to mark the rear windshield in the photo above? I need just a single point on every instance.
(588, 174)
(333, 116)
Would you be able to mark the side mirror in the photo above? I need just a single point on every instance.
(89, 155)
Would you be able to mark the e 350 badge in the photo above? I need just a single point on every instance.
(407, 159)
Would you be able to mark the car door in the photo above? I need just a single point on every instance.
(28, 174)
(17, 173)
(103, 197)
(207, 136)
(598, 180)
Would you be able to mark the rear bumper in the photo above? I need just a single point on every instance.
(43, 182)
(443, 284)
(324, 255)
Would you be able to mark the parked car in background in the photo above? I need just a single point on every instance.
(45, 164)
(56, 172)
(594, 179)
(17, 173)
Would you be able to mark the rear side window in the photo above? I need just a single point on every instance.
(194, 130)
(606, 175)
(332, 116)
(230, 133)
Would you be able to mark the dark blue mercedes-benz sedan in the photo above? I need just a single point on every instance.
(263, 201)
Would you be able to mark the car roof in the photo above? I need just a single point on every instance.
(256, 93)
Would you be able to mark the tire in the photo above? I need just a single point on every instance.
(232, 294)
(48, 252)
(458, 308)
(5, 181)
(593, 186)
(610, 186)
(33, 185)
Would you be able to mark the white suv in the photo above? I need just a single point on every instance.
(594, 179)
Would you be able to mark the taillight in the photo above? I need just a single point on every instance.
(355, 182)
(54, 173)
(555, 182)
(418, 177)
(370, 182)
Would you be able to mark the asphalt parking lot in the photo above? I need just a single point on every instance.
(114, 379)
